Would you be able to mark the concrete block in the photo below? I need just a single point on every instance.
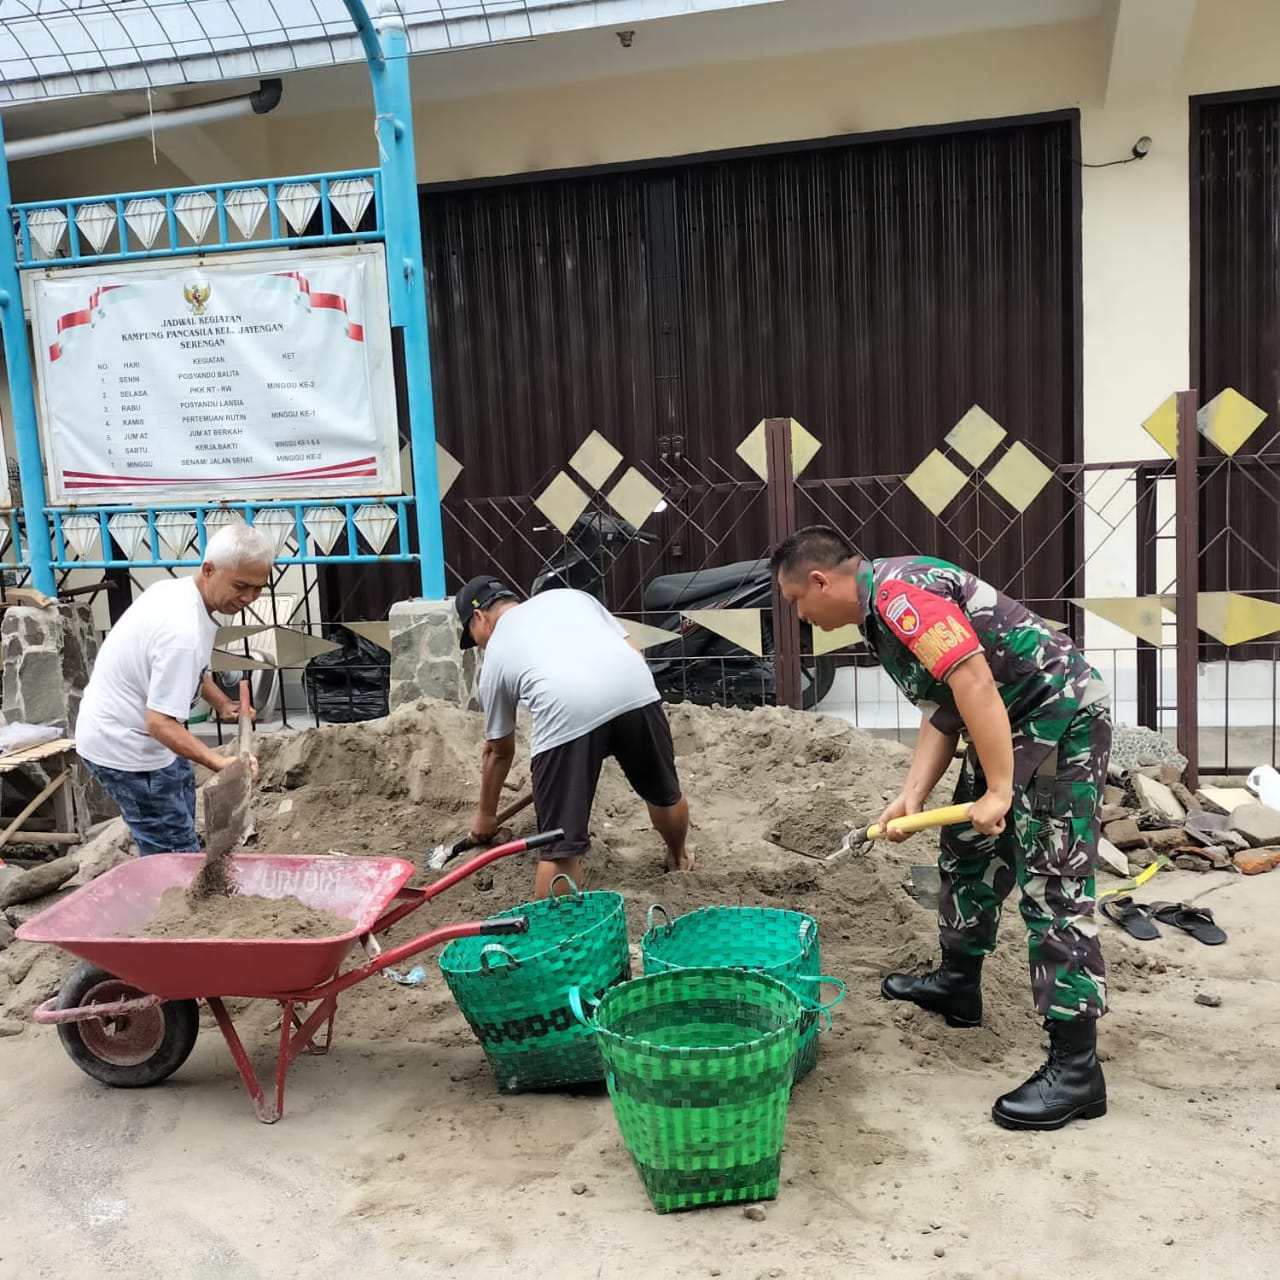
(1112, 859)
(1258, 823)
(1159, 799)
(1124, 834)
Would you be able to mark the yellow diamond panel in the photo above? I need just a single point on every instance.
(804, 448)
(229, 635)
(448, 469)
(224, 661)
(293, 648)
(595, 460)
(378, 632)
(1019, 476)
(936, 481)
(1162, 426)
(975, 436)
(840, 638)
(741, 626)
(562, 502)
(1236, 619)
(1227, 421)
(1140, 616)
(634, 497)
(646, 636)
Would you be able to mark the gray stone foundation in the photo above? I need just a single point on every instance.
(425, 659)
(48, 654)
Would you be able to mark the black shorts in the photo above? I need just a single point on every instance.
(565, 777)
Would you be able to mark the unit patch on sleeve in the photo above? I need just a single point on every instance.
(935, 630)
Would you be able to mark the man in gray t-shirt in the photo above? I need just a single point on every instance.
(590, 694)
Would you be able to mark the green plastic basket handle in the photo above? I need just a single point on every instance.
(817, 1004)
(554, 898)
(576, 1002)
(496, 948)
(649, 920)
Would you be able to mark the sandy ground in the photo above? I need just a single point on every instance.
(397, 1156)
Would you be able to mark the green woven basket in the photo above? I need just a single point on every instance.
(699, 1065)
(782, 944)
(515, 995)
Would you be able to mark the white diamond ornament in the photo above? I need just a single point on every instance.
(377, 522)
(245, 207)
(96, 222)
(298, 201)
(145, 218)
(129, 529)
(83, 536)
(174, 531)
(195, 211)
(325, 525)
(48, 227)
(276, 524)
(220, 517)
(350, 197)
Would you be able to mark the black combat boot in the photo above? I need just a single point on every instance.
(953, 989)
(1068, 1087)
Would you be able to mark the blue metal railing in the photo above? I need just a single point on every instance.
(345, 549)
(270, 232)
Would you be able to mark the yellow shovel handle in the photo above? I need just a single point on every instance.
(947, 817)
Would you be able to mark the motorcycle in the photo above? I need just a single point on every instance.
(698, 665)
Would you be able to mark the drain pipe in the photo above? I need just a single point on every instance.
(266, 97)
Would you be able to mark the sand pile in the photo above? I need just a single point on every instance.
(397, 786)
(240, 915)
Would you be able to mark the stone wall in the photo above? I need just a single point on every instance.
(425, 659)
(48, 654)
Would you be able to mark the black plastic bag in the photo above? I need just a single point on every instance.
(351, 683)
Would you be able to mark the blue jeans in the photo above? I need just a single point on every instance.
(158, 806)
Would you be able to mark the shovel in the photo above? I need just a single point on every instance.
(444, 853)
(227, 793)
(860, 837)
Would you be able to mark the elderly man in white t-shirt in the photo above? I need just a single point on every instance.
(131, 733)
(591, 695)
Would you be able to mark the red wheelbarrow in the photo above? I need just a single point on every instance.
(129, 1014)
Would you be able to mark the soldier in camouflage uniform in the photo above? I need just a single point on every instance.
(1037, 719)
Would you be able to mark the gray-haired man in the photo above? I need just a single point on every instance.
(131, 733)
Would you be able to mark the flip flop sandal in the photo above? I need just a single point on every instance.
(1197, 921)
(1131, 917)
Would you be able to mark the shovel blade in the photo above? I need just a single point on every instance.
(227, 823)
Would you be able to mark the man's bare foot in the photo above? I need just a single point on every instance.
(683, 863)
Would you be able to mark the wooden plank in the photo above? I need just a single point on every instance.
(33, 755)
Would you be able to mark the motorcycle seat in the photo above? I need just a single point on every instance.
(675, 589)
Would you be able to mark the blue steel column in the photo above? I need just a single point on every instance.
(22, 399)
(387, 51)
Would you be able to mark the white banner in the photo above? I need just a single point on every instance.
(265, 377)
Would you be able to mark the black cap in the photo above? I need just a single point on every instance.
(479, 593)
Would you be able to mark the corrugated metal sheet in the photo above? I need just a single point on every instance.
(1236, 276)
(874, 290)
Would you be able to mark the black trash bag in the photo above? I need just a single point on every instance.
(351, 683)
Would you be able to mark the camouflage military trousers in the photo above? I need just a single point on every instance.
(1049, 849)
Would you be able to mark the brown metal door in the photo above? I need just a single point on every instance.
(873, 289)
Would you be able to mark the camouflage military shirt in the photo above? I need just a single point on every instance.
(923, 617)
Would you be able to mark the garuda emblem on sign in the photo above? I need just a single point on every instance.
(196, 296)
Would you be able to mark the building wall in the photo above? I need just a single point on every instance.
(1135, 231)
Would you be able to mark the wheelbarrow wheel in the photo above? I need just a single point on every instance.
(132, 1050)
